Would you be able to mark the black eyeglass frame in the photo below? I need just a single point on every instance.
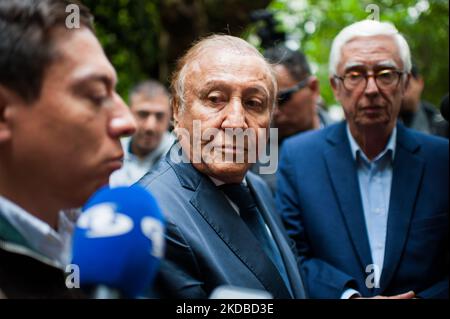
(374, 75)
(284, 96)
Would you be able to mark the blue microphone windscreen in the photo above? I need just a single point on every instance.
(119, 240)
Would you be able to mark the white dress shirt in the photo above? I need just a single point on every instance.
(43, 239)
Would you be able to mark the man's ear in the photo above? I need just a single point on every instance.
(6, 100)
(334, 86)
(175, 102)
(407, 82)
(313, 85)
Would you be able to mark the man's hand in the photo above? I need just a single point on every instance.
(406, 295)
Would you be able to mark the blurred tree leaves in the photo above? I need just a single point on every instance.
(314, 24)
(143, 38)
(128, 31)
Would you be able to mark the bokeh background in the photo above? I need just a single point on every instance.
(144, 38)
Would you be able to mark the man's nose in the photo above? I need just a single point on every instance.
(150, 122)
(371, 87)
(235, 116)
(122, 122)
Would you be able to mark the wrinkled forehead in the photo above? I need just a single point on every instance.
(158, 102)
(371, 51)
(230, 64)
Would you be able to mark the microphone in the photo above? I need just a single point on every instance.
(444, 107)
(118, 242)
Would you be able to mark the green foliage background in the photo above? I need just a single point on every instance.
(129, 32)
(424, 24)
(133, 34)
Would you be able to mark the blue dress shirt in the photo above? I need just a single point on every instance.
(375, 180)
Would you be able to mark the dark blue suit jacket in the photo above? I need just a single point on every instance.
(207, 243)
(320, 202)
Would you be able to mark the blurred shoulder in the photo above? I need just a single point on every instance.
(161, 174)
(430, 145)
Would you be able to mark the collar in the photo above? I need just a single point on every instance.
(41, 237)
(357, 152)
(166, 141)
(218, 182)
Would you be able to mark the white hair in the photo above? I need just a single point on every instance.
(368, 28)
(204, 46)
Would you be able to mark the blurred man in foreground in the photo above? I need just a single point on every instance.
(60, 124)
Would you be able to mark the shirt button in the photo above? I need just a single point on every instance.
(378, 211)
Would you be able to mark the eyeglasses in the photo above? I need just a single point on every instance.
(285, 95)
(384, 79)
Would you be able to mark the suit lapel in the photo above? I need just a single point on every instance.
(219, 214)
(407, 174)
(281, 242)
(342, 170)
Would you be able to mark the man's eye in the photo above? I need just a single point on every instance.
(142, 115)
(216, 98)
(159, 116)
(99, 100)
(254, 103)
(354, 75)
(386, 74)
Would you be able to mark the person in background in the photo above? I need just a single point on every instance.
(298, 108)
(366, 200)
(60, 124)
(149, 103)
(418, 114)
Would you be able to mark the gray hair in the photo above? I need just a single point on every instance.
(367, 28)
(211, 42)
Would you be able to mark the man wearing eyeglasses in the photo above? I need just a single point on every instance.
(298, 108)
(366, 199)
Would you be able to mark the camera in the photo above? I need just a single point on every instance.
(268, 35)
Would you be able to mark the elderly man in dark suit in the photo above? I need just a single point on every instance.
(222, 229)
(366, 200)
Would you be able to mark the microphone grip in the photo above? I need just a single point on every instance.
(105, 292)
